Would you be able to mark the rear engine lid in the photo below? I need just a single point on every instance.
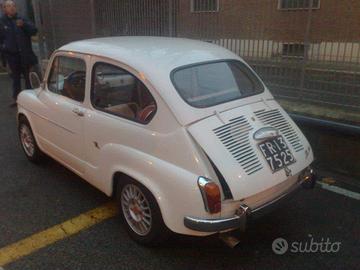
(228, 139)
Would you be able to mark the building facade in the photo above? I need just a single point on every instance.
(307, 49)
(330, 31)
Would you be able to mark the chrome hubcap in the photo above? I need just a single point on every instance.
(136, 209)
(27, 140)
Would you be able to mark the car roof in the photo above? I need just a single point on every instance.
(149, 52)
(154, 58)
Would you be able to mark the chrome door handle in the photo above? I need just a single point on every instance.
(78, 112)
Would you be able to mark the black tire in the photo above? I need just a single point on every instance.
(158, 232)
(33, 154)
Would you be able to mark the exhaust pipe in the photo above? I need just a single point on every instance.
(308, 178)
(230, 240)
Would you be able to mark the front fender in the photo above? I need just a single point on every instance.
(24, 99)
(29, 117)
(30, 106)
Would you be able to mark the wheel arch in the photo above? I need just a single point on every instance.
(27, 115)
(119, 177)
(22, 115)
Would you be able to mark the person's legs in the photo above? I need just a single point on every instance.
(3, 60)
(15, 67)
(26, 72)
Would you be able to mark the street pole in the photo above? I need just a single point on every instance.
(53, 31)
(38, 23)
(92, 18)
(306, 46)
(171, 18)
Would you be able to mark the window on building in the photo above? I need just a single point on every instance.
(298, 4)
(67, 77)
(293, 50)
(204, 5)
(118, 92)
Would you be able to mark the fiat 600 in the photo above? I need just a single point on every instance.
(183, 133)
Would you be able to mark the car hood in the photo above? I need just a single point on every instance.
(227, 139)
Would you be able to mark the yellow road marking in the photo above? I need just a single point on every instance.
(49, 236)
(328, 180)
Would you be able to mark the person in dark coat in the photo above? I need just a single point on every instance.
(15, 45)
(2, 56)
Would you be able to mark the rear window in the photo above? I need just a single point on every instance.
(208, 84)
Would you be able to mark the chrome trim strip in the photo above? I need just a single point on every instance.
(202, 181)
(216, 225)
(265, 133)
(212, 225)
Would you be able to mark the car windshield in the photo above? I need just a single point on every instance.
(209, 84)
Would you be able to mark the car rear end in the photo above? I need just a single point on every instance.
(259, 155)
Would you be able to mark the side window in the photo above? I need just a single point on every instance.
(116, 91)
(67, 77)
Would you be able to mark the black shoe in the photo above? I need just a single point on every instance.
(13, 105)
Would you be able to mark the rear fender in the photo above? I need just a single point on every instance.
(175, 189)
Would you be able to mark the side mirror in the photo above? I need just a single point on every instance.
(35, 80)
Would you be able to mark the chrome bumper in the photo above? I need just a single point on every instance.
(244, 213)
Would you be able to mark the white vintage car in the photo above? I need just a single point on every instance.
(183, 133)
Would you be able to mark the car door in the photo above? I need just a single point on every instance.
(122, 108)
(65, 111)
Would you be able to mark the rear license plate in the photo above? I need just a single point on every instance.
(277, 153)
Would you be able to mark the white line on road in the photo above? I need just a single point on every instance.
(342, 191)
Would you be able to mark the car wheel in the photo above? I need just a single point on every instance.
(141, 214)
(28, 142)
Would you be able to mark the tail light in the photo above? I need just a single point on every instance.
(211, 195)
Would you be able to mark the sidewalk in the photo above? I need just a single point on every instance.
(2, 70)
(334, 152)
(332, 113)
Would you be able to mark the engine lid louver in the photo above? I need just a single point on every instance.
(277, 120)
(235, 137)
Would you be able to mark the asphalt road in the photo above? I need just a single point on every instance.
(36, 197)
